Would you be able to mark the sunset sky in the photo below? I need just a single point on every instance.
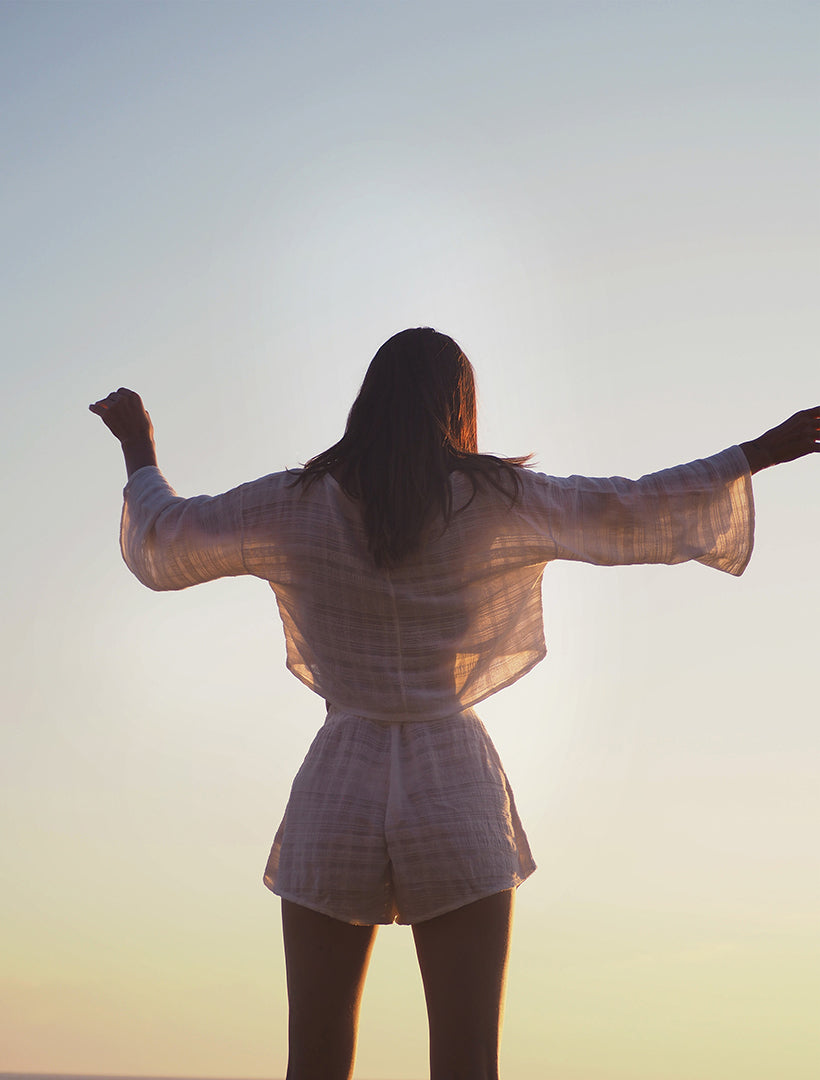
(613, 207)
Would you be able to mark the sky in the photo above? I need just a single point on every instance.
(228, 207)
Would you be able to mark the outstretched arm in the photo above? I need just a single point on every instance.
(124, 414)
(792, 439)
(166, 541)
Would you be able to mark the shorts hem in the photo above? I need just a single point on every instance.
(323, 909)
(398, 917)
(479, 894)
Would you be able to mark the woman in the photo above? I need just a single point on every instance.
(407, 571)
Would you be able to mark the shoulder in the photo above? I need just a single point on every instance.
(291, 493)
(491, 489)
(276, 483)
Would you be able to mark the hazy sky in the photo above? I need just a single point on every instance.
(229, 206)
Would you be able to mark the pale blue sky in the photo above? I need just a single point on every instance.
(228, 206)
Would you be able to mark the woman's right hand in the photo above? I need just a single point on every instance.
(794, 438)
(125, 416)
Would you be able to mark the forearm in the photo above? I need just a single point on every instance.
(794, 438)
(138, 453)
(756, 455)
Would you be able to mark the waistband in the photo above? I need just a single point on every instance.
(337, 714)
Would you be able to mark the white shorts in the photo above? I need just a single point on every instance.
(398, 821)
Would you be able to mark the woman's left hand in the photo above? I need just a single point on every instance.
(125, 416)
(794, 438)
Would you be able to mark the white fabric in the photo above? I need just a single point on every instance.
(460, 619)
(402, 809)
(390, 821)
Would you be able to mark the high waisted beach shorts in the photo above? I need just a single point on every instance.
(398, 821)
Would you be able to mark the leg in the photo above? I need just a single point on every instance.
(463, 961)
(326, 964)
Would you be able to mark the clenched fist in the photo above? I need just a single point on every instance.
(125, 416)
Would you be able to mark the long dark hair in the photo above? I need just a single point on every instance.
(412, 423)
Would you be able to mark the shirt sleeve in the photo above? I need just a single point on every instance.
(703, 511)
(170, 543)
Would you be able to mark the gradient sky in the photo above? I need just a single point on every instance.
(229, 206)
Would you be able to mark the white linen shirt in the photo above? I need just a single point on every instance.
(462, 617)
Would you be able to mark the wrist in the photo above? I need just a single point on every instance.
(138, 453)
(757, 455)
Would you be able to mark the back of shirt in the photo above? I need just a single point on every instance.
(462, 617)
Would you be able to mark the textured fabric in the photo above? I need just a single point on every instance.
(391, 821)
(402, 809)
(460, 619)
